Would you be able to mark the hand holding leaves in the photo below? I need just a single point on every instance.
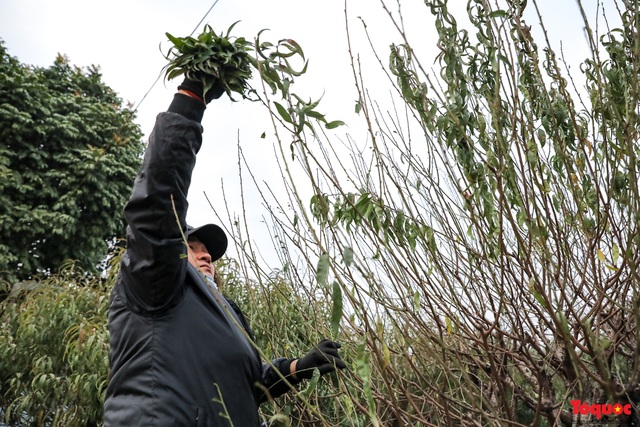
(214, 64)
(218, 62)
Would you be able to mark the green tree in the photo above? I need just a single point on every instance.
(68, 153)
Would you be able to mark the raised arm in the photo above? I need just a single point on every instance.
(153, 266)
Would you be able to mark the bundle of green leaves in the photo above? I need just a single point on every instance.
(211, 59)
(226, 63)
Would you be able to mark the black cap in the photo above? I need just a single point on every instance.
(213, 238)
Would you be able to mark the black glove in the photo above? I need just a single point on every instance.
(197, 88)
(323, 356)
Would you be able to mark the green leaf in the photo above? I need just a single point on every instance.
(336, 311)
(386, 354)
(347, 256)
(312, 383)
(175, 40)
(334, 124)
(364, 372)
(615, 253)
(315, 115)
(416, 301)
(322, 271)
(498, 14)
(542, 137)
(535, 293)
(231, 28)
(319, 205)
(283, 113)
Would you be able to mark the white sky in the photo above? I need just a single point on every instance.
(123, 38)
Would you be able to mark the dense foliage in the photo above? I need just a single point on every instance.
(211, 59)
(54, 356)
(226, 63)
(69, 150)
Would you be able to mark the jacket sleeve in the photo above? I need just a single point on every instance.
(154, 265)
(273, 384)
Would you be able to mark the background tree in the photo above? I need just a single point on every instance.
(68, 155)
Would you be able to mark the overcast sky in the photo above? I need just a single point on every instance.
(124, 38)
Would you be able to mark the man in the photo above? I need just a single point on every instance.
(180, 353)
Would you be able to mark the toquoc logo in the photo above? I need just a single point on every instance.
(599, 409)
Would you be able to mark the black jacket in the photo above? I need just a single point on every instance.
(178, 355)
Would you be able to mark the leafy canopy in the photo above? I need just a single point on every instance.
(68, 153)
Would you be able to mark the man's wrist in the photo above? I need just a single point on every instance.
(187, 106)
(191, 94)
(292, 368)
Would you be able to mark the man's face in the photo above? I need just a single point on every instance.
(199, 257)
